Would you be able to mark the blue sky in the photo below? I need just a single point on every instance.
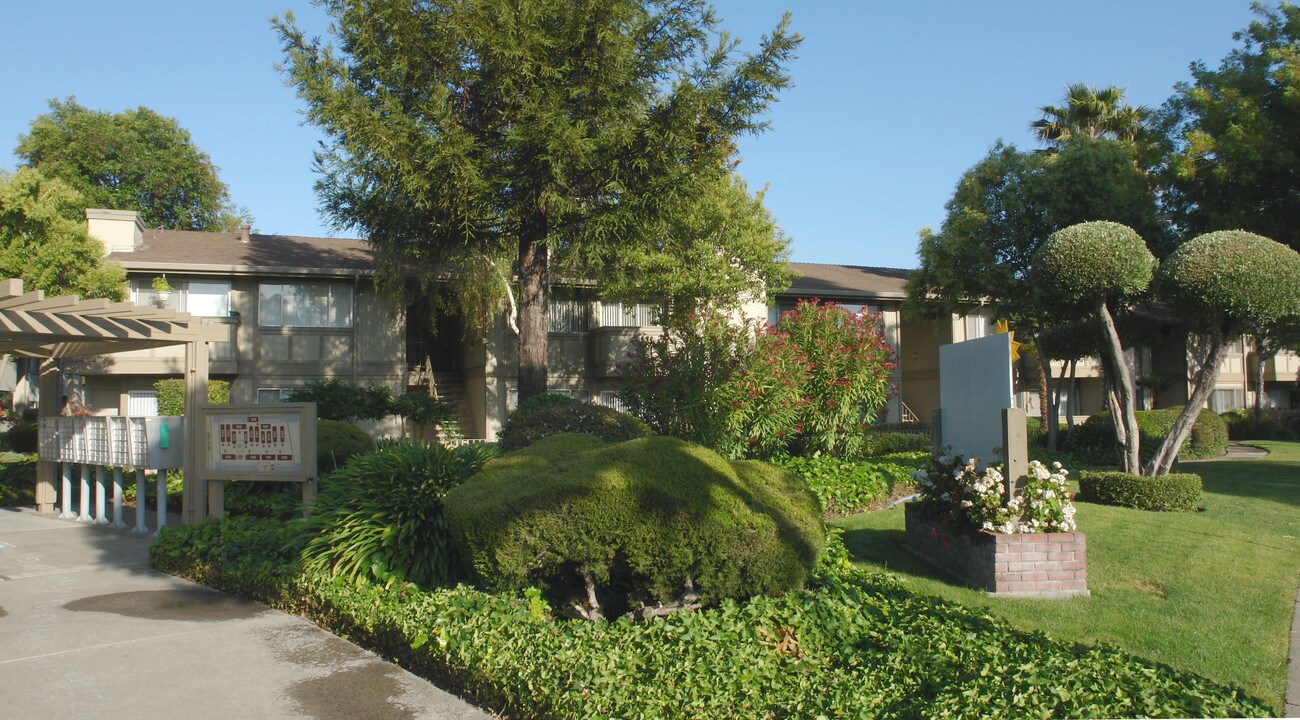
(892, 100)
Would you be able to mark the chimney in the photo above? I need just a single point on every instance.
(243, 233)
(118, 230)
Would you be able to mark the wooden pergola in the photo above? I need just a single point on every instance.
(52, 329)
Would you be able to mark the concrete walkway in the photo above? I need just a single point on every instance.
(86, 631)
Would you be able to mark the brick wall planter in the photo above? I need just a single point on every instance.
(1044, 565)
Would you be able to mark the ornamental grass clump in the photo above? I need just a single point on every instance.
(958, 490)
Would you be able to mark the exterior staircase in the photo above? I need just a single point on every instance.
(444, 386)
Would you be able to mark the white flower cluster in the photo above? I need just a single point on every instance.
(1043, 505)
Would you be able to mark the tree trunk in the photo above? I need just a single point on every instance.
(1070, 402)
(1052, 413)
(533, 282)
(1202, 386)
(1123, 381)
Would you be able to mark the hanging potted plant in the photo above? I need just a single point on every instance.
(162, 291)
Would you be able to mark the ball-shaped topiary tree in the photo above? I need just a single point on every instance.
(1225, 284)
(1097, 268)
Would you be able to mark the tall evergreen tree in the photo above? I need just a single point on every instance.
(473, 139)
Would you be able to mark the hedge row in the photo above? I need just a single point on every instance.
(1094, 440)
(1176, 491)
(856, 645)
(1272, 424)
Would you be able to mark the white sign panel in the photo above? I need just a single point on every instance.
(975, 386)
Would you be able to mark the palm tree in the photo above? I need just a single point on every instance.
(1090, 113)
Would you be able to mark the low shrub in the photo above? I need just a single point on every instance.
(545, 400)
(263, 499)
(381, 515)
(171, 395)
(24, 437)
(1094, 440)
(1272, 425)
(856, 645)
(887, 443)
(18, 483)
(845, 487)
(337, 442)
(1175, 491)
(522, 429)
(913, 459)
(605, 529)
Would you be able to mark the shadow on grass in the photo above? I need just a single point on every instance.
(884, 548)
(1263, 479)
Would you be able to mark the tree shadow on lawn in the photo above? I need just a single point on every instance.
(884, 548)
(1253, 479)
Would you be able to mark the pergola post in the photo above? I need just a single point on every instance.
(194, 498)
(47, 407)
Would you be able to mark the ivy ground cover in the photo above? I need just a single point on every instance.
(853, 645)
(1209, 592)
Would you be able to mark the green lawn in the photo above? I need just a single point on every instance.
(1209, 592)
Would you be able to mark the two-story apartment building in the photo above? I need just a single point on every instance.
(297, 309)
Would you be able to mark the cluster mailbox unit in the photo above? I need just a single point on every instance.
(116, 442)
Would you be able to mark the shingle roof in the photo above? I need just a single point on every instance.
(197, 251)
(818, 280)
(182, 248)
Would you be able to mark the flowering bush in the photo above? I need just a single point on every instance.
(956, 489)
(809, 387)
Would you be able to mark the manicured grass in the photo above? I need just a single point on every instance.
(1209, 592)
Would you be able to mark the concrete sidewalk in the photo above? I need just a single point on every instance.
(86, 631)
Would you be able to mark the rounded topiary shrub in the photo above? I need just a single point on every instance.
(1175, 491)
(528, 425)
(336, 442)
(639, 526)
(1094, 440)
(1081, 263)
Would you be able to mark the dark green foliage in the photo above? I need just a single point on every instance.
(1172, 492)
(522, 428)
(421, 409)
(24, 437)
(263, 499)
(171, 395)
(888, 443)
(381, 515)
(1083, 263)
(857, 645)
(644, 518)
(337, 442)
(1094, 440)
(339, 400)
(132, 160)
(1232, 277)
(18, 482)
(1272, 425)
(545, 400)
(846, 487)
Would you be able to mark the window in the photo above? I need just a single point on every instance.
(619, 314)
(322, 305)
(978, 326)
(202, 298)
(568, 316)
(142, 403)
(273, 395)
(1224, 400)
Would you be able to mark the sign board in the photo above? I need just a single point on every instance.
(975, 386)
(258, 442)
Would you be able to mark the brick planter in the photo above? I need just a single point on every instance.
(1044, 565)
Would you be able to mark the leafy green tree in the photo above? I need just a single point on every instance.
(1224, 284)
(1091, 114)
(492, 138)
(43, 240)
(132, 160)
(1236, 134)
(1099, 268)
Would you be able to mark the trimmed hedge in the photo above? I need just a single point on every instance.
(650, 521)
(888, 443)
(171, 395)
(846, 487)
(548, 417)
(337, 442)
(1173, 492)
(1272, 425)
(1094, 440)
(855, 645)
